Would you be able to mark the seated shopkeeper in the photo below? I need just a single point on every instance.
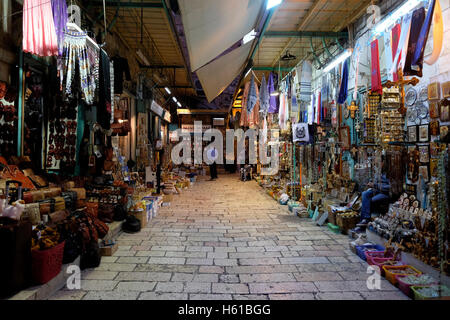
(374, 197)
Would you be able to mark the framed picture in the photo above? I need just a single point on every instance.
(445, 112)
(412, 134)
(444, 132)
(434, 167)
(434, 91)
(434, 149)
(446, 89)
(434, 128)
(423, 171)
(434, 109)
(424, 134)
(424, 151)
(344, 137)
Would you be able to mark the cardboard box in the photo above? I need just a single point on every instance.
(108, 251)
(141, 216)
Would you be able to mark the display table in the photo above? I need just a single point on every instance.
(409, 259)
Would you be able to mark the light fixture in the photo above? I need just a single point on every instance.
(273, 3)
(143, 58)
(168, 90)
(340, 58)
(179, 104)
(288, 56)
(174, 99)
(407, 7)
(247, 73)
(276, 93)
(249, 36)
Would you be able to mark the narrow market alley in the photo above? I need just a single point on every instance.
(227, 239)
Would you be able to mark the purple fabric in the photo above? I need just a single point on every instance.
(274, 101)
(60, 17)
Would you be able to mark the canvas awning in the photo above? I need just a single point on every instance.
(213, 26)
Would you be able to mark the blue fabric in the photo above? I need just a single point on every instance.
(423, 36)
(252, 97)
(274, 101)
(344, 85)
(264, 97)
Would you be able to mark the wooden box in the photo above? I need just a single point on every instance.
(108, 251)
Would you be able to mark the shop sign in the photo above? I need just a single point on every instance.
(190, 127)
(156, 108)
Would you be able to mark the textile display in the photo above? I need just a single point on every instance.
(75, 53)
(60, 17)
(39, 35)
(252, 97)
(253, 117)
(300, 132)
(438, 34)
(244, 116)
(388, 53)
(375, 75)
(274, 101)
(402, 43)
(417, 61)
(394, 45)
(264, 98)
(417, 21)
(344, 85)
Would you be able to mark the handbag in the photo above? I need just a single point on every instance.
(92, 209)
(38, 181)
(81, 193)
(32, 213)
(12, 172)
(60, 203)
(58, 217)
(106, 212)
(108, 165)
(46, 206)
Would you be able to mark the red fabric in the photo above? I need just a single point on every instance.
(395, 39)
(376, 76)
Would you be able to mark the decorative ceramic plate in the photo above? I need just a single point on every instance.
(412, 114)
(423, 94)
(422, 110)
(411, 97)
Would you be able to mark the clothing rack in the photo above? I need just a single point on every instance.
(75, 27)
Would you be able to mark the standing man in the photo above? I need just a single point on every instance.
(212, 157)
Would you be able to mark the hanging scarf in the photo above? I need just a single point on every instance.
(417, 22)
(252, 97)
(60, 17)
(356, 56)
(387, 53)
(274, 101)
(264, 97)
(344, 85)
(402, 43)
(417, 61)
(282, 111)
(438, 34)
(395, 41)
(318, 106)
(294, 103)
(310, 115)
(376, 76)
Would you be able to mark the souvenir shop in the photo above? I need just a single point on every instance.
(364, 145)
(83, 146)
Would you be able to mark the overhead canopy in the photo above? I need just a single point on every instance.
(217, 76)
(213, 26)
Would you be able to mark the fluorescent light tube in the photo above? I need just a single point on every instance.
(249, 36)
(174, 99)
(179, 104)
(273, 3)
(341, 58)
(407, 7)
(168, 90)
(247, 73)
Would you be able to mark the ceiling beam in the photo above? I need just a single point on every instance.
(305, 21)
(129, 5)
(270, 69)
(356, 14)
(305, 34)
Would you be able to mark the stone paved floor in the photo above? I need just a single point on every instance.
(229, 240)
